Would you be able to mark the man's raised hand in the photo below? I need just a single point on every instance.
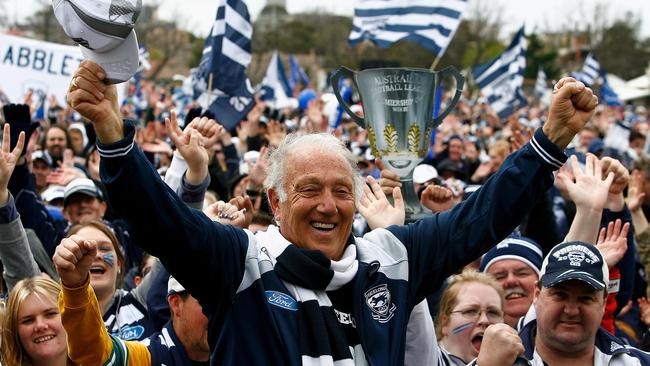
(237, 212)
(376, 209)
(589, 189)
(572, 106)
(73, 258)
(209, 129)
(96, 101)
(437, 198)
(388, 179)
(8, 160)
(612, 242)
(190, 145)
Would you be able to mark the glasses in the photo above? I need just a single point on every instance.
(493, 315)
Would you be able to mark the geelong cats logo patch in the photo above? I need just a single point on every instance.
(378, 300)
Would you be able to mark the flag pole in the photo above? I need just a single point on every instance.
(209, 89)
(435, 63)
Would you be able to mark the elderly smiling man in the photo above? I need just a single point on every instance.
(309, 292)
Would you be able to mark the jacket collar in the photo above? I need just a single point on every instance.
(605, 342)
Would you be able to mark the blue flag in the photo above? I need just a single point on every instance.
(346, 94)
(275, 86)
(607, 93)
(431, 23)
(501, 79)
(590, 70)
(298, 74)
(39, 108)
(226, 55)
(540, 83)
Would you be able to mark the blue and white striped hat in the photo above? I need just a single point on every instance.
(519, 248)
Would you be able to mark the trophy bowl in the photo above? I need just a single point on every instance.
(398, 108)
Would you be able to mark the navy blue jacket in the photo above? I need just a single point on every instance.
(166, 349)
(225, 269)
(610, 350)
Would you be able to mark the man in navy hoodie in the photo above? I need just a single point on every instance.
(308, 292)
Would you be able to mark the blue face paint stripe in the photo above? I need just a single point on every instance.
(461, 328)
(109, 258)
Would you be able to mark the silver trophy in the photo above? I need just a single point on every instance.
(398, 115)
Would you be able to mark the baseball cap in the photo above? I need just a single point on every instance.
(42, 155)
(424, 173)
(575, 261)
(174, 287)
(519, 248)
(83, 186)
(53, 192)
(104, 31)
(251, 156)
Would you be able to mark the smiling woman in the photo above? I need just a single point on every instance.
(32, 333)
(106, 275)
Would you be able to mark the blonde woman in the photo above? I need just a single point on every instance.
(32, 332)
(471, 303)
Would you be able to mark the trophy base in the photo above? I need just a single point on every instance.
(413, 209)
(412, 216)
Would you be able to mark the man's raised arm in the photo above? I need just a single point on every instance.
(188, 243)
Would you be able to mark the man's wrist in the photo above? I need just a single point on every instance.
(196, 176)
(561, 137)
(4, 197)
(109, 132)
(615, 202)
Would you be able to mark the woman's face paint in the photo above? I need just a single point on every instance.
(462, 328)
(109, 258)
(462, 335)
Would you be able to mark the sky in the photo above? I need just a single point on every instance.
(197, 15)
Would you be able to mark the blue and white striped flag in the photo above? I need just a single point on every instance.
(501, 79)
(143, 58)
(182, 98)
(540, 83)
(607, 94)
(275, 86)
(298, 74)
(226, 55)
(430, 23)
(590, 70)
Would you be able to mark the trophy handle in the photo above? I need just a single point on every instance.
(334, 82)
(460, 81)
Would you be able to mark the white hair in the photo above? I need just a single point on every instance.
(320, 141)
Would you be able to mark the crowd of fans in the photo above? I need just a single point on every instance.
(52, 195)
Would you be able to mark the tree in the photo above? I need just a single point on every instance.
(3, 14)
(477, 37)
(166, 43)
(540, 55)
(620, 51)
(44, 26)
(197, 52)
